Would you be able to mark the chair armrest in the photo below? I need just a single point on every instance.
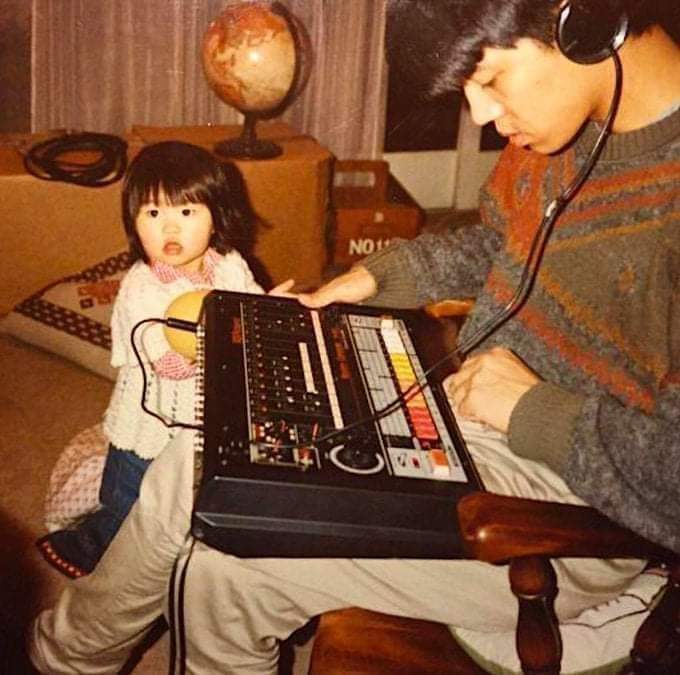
(496, 529)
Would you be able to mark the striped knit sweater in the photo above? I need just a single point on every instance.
(602, 325)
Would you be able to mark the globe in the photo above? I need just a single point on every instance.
(257, 58)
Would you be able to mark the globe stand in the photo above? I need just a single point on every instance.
(247, 145)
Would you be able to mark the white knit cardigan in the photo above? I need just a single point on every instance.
(143, 295)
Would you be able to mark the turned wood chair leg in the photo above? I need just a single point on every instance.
(539, 644)
(657, 643)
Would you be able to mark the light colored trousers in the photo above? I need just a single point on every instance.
(237, 610)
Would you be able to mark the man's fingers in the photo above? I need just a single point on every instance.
(283, 289)
(319, 298)
(355, 285)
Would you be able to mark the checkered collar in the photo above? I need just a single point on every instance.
(167, 273)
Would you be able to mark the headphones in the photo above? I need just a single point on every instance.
(587, 34)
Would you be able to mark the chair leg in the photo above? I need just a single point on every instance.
(539, 644)
(657, 644)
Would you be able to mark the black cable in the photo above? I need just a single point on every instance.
(45, 160)
(173, 323)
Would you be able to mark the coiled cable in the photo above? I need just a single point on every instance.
(45, 160)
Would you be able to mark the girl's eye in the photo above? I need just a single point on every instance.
(187, 211)
(152, 213)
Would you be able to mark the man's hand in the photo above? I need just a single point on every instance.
(283, 289)
(354, 286)
(488, 386)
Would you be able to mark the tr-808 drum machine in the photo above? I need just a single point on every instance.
(286, 469)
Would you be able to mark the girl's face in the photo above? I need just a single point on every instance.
(177, 235)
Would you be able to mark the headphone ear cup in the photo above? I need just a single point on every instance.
(585, 36)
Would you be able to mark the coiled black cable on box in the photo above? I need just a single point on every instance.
(45, 160)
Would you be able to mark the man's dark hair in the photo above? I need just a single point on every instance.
(183, 172)
(437, 44)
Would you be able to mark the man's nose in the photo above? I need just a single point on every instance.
(483, 107)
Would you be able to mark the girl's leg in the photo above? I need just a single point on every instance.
(122, 478)
(76, 551)
(100, 618)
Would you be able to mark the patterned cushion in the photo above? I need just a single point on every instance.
(72, 316)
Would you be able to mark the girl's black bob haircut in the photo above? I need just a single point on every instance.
(183, 173)
(435, 45)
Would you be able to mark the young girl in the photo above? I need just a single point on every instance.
(183, 214)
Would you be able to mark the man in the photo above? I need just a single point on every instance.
(574, 398)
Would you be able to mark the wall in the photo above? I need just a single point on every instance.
(15, 65)
(429, 176)
(444, 179)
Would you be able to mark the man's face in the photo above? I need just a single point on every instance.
(535, 96)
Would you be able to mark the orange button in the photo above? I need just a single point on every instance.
(439, 462)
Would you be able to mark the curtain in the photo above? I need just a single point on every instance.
(104, 65)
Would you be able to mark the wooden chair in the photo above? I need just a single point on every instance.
(524, 534)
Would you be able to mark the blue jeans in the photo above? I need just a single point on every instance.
(122, 477)
(85, 544)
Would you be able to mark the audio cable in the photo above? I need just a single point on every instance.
(180, 324)
(46, 160)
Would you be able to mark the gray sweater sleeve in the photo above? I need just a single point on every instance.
(434, 266)
(531, 437)
(617, 458)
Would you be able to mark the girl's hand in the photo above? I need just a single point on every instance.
(488, 386)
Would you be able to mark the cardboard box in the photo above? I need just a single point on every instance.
(50, 229)
(370, 208)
